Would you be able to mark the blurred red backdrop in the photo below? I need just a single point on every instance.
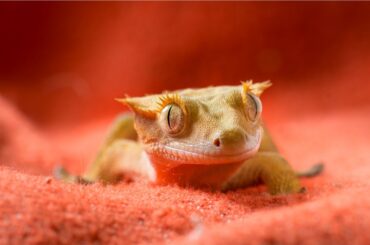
(65, 62)
(62, 63)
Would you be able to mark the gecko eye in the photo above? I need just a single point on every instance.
(173, 118)
(253, 107)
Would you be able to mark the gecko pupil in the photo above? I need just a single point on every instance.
(169, 117)
(255, 106)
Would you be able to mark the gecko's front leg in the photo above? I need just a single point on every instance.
(269, 168)
(122, 156)
(119, 153)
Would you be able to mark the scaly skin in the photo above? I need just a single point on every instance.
(195, 137)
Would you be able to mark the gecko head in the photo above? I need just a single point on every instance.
(214, 125)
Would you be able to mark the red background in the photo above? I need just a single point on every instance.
(61, 65)
(69, 60)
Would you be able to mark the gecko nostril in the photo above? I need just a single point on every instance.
(217, 142)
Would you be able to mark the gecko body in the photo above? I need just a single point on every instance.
(211, 137)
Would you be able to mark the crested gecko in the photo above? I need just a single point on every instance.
(212, 137)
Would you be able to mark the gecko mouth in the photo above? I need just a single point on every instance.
(182, 153)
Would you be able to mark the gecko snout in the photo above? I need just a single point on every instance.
(230, 139)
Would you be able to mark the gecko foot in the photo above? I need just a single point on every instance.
(62, 174)
(313, 171)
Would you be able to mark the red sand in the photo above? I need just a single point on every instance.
(318, 110)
